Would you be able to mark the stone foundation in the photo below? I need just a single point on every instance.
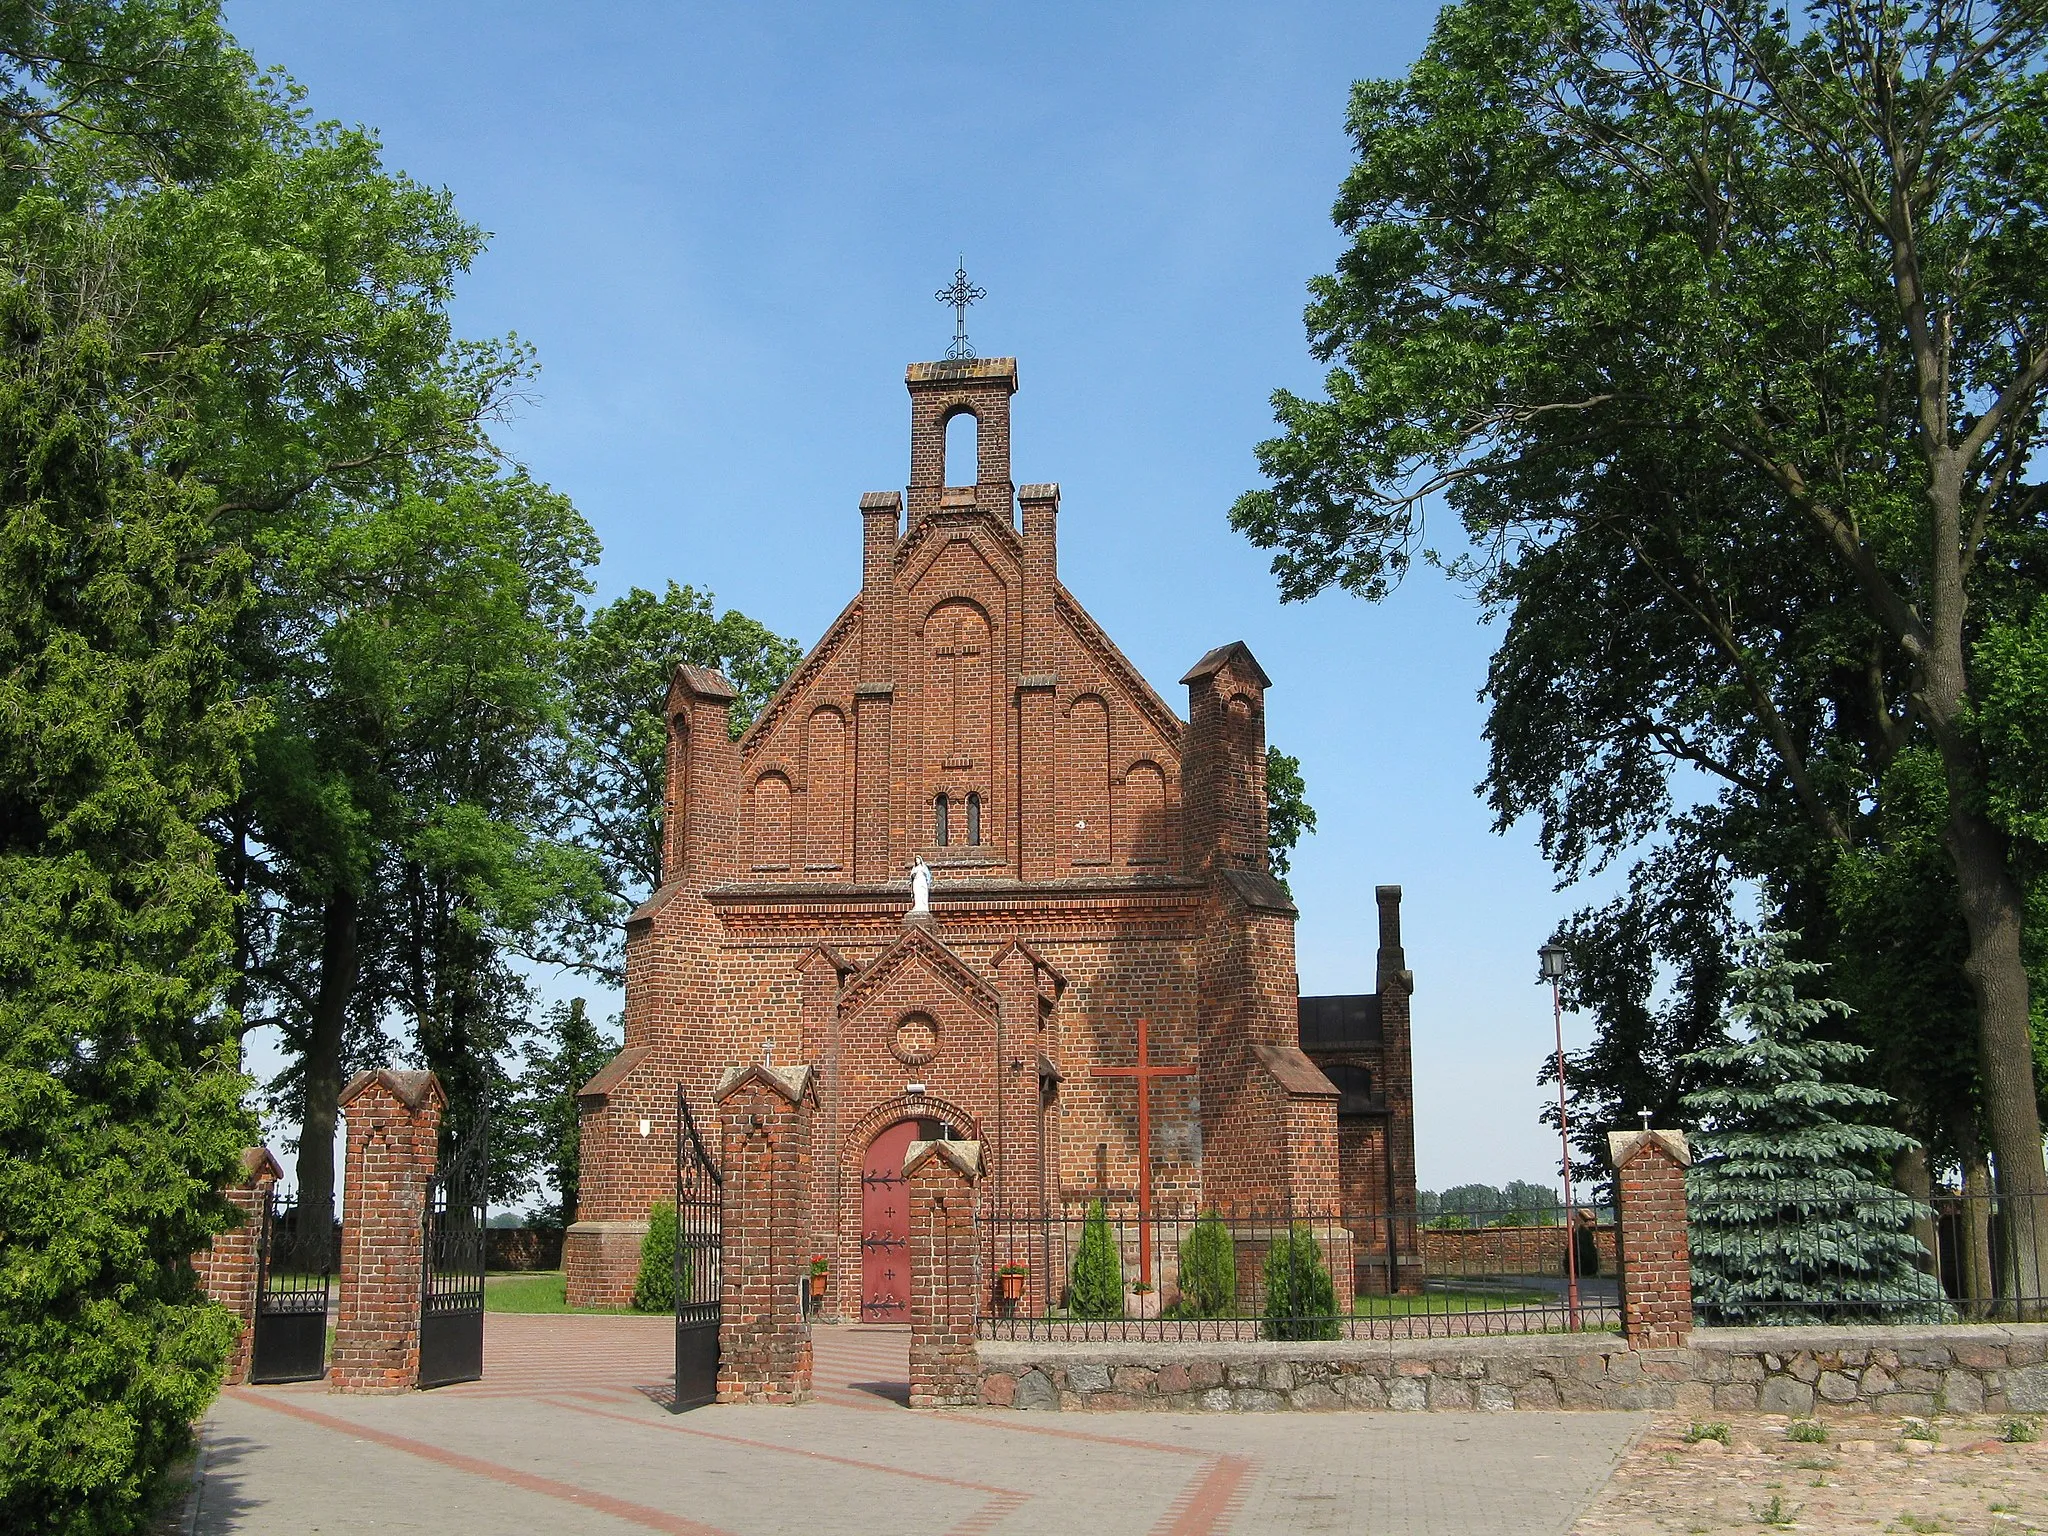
(601, 1260)
(1797, 1371)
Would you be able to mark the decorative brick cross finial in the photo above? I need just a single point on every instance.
(960, 294)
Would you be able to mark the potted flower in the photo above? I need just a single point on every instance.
(819, 1269)
(1010, 1281)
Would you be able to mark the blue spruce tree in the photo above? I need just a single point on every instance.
(1793, 1218)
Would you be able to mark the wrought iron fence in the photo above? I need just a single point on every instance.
(1103, 1272)
(1853, 1251)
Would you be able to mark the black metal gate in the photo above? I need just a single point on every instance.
(699, 1248)
(294, 1274)
(452, 1274)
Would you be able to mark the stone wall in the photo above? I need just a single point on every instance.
(1966, 1368)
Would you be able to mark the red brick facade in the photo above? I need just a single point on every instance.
(1095, 858)
(394, 1122)
(1656, 1257)
(944, 1258)
(765, 1117)
(228, 1270)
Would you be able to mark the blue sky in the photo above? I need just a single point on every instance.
(723, 226)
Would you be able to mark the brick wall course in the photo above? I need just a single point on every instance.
(1655, 1253)
(231, 1267)
(765, 1118)
(394, 1121)
(946, 1279)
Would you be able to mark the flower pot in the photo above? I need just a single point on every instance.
(817, 1287)
(1011, 1287)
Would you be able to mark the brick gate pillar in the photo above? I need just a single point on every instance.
(228, 1268)
(1656, 1257)
(394, 1127)
(765, 1116)
(940, 1177)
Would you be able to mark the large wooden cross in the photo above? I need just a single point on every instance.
(1142, 1076)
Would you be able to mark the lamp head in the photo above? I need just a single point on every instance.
(1553, 957)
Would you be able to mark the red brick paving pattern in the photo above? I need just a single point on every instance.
(608, 1366)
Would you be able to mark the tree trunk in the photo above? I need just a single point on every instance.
(1909, 1173)
(1974, 1272)
(341, 922)
(2005, 1045)
(1990, 897)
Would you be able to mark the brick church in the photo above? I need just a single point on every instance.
(1095, 860)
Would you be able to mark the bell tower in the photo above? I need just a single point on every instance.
(974, 386)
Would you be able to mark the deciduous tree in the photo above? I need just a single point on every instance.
(1724, 330)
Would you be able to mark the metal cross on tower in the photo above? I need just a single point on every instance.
(961, 294)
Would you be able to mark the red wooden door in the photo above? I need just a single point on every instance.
(885, 1227)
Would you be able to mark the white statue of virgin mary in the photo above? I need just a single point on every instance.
(920, 888)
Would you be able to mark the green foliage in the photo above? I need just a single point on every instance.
(656, 1287)
(540, 1128)
(1518, 1203)
(1208, 1269)
(1789, 1203)
(608, 756)
(1096, 1285)
(1697, 1431)
(1717, 330)
(1301, 1302)
(2018, 1431)
(122, 732)
(1807, 1432)
(1288, 813)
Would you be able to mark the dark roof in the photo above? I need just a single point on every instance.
(1259, 891)
(613, 1073)
(704, 682)
(1212, 662)
(1331, 1023)
(1294, 1072)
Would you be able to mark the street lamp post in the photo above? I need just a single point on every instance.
(1553, 957)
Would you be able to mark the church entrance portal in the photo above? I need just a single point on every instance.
(885, 1221)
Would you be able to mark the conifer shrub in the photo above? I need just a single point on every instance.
(1792, 1213)
(655, 1289)
(1208, 1270)
(1301, 1302)
(1096, 1285)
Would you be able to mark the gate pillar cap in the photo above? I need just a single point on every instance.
(259, 1164)
(412, 1089)
(1623, 1145)
(793, 1083)
(965, 1156)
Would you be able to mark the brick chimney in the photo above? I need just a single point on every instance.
(1041, 509)
(1223, 762)
(703, 778)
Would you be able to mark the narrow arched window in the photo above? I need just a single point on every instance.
(974, 821)
(941, 832)
(963, 449)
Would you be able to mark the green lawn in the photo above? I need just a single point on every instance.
(541, 1290)
(1452, 1301)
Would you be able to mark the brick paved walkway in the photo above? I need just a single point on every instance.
(564, 1435)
